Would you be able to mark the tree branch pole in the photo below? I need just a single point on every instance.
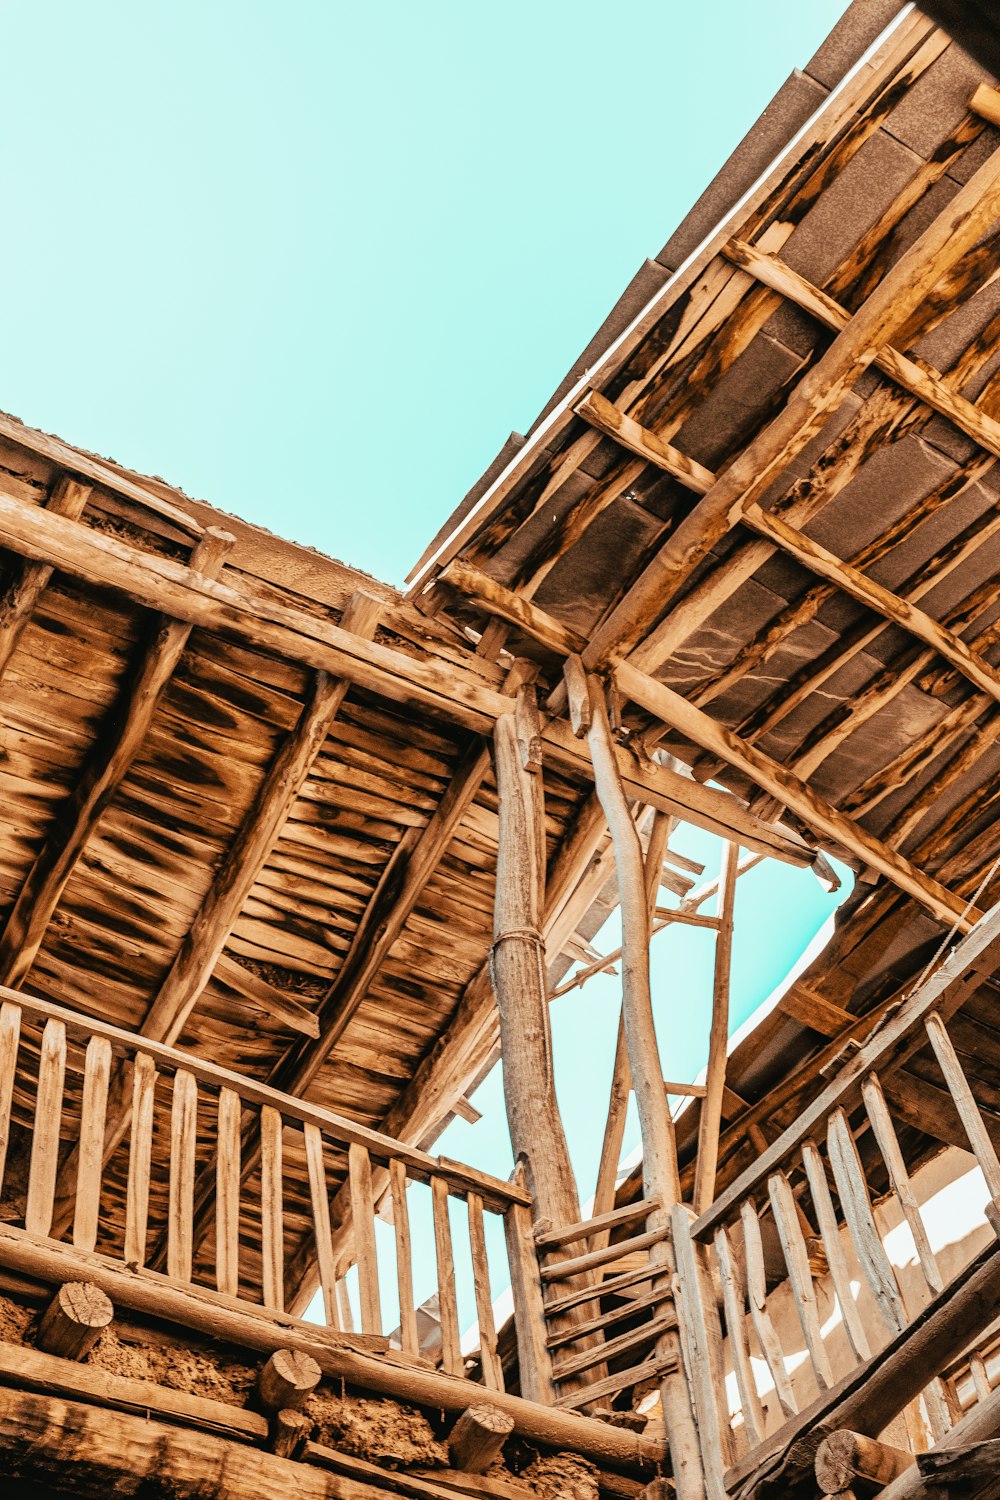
(661, 1179)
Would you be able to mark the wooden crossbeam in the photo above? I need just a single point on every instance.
(103, 773)
(664, 704)
(816, 396)
(69, 499)
(921, 382)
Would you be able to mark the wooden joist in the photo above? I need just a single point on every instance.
(105, 769)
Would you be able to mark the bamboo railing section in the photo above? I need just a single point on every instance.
(804, 1215)
(58, 1071)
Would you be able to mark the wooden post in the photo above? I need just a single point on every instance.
(710, 1123)
(661, 1179)
(518, 972)
(477, 1437)
(286, 1379)
(74, 1319)
(845, 1456)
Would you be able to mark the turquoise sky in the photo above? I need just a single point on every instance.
(314, 261)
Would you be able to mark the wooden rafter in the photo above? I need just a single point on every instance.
(820, 391)
(103, 773)
(69, 499)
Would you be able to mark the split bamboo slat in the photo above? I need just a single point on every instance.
(45, 1136)
(183, 1129)
(451, 1354)
(319, 1194)
(96, 1078)
(271, 1209)
(227, 1195)
(140, 1151)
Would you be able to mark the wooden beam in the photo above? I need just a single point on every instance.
(478, 1436)
(664, 704)
(504, 604)
(710, 1118)
(74, 1320)
(816, 396)
(660, 1174)
(105, 769)
(867, 591)
(845, 1456)
(925, 385)
(69, 498)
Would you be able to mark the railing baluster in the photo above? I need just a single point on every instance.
(533, 1359)
(227, 1194)
(757, 1296)
(10, 1030)
(272, 1209)
(319, 1194)
(180, 1210)
(826, 1217)
(968, 1110)
(793, 1247)
(885, 1136)
(701, 1358)
(344, 1304)
(140, 1151)
(404, 1257)
(363, 1215)
(732, 1301)
(45, 1136)
(96, 1077)
(451, 1354)
(492, 1368)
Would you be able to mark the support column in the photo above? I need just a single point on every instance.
(660, 1174)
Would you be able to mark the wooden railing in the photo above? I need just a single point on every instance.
(58, 1071)
(803, 1216)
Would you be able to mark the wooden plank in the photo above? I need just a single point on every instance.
(363, 1217)
(451, 1354)
(227, 1194)
(183, 1133)
(96, 1077)
(10, 1031)
(489, 1358)
(819, 392)
(45, 1134)
(272, 1210)
(404, 1256)
(888, 1143)
(835, 1258)
(651, 1369)
(625, 1310)
(625, 1343)
(104, 771)
(533, 1360)
(140, 1152)
(822, 816)
(793, 1248)
(602, 414)
(968, 1110)
(856, 1205)
(710, 1119)
(736, 1327)
(770, 1345)
(319, 1195)
(550, 1239)
(611, 1286)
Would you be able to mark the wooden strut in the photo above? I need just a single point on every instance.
(661, 1180)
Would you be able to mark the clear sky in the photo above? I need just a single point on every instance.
(314, 261)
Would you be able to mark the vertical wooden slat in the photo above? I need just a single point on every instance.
(45, 1136)
(227, 1194)
(965, 1103)
(363, 1215)
(732, 1298)
(183, 1133)
(850, 1179)
(319, 1194)
(980, 1379)
(272, 1227)
(404, 1257)
(885, 1136)
(710, 1120)
(711, 1416)
(793, 1247)
(344, 1306)
(757, 1298)
(835, 1258)
(533, 1360)
(96, 1077)
(451, 1353)
(10, 1030)
(140, 1150)
(492, 1368)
